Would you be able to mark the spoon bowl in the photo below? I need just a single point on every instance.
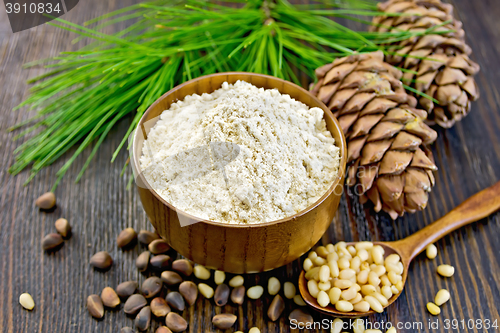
(330, 309)
(477, 207)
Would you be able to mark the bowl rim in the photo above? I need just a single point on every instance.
(327, 112)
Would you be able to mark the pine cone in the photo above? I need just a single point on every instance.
(388, 162)
(441, 61)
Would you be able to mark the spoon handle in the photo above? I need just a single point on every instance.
(477, 207)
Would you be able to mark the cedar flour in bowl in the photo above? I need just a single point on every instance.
(271, 179)
(240, 154)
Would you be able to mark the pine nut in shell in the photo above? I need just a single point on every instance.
(142, 261)
(51, 242)
(160, 262)
(175, 300)
(26, 301)
(171, 278)
(63, 227)
(183, 267)
(46, 201)
(276, 308)
(433, 309)
(146, 237)
(255, 292)
(446, 270)
(289, 290)
(134, 303)
(95, 306)
(143, 319)
(151, 286)
(238, 295)
(221, 294)
(126, 329)
(161, 329)
(201, 272)
(236, 281)
(158, 246)
(101, 260)
(206, 290)
(273, 286)
(126, 237)
(442, 297)
(126, 289)
(175, 322)
(110, 298)
(160, 307)
(431, 251)
(224, 321)
(189, 291)
(301, 316)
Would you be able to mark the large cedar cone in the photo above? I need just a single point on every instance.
(441, 61)
(388, 161)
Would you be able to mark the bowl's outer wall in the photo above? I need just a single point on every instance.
(251, 248)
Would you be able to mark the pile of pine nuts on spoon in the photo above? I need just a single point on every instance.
(353, 277)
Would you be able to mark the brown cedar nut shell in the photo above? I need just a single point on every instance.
(238, 248)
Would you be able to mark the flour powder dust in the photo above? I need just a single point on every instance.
(241, 154)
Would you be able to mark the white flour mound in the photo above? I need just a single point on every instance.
(287, 158)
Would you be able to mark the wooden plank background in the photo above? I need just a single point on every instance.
(100, 206)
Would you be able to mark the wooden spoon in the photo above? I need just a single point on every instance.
(477, 207)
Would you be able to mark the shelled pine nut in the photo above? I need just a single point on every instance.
(201, 272)
(273, 286)
(433, 309)
(236, 281)
(446, 270)
(442, 297)
(358, 326)
(255, 292)
(337, 325)
(219, 277)
(297, 299)
(289, 290)
(431, 251)
(206, 290)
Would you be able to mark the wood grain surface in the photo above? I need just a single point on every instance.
(100, 206)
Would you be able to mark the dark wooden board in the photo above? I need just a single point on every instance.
(98, 207)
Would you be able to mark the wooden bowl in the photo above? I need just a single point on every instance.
(240, 248)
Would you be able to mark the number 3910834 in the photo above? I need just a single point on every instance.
(40, 8)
